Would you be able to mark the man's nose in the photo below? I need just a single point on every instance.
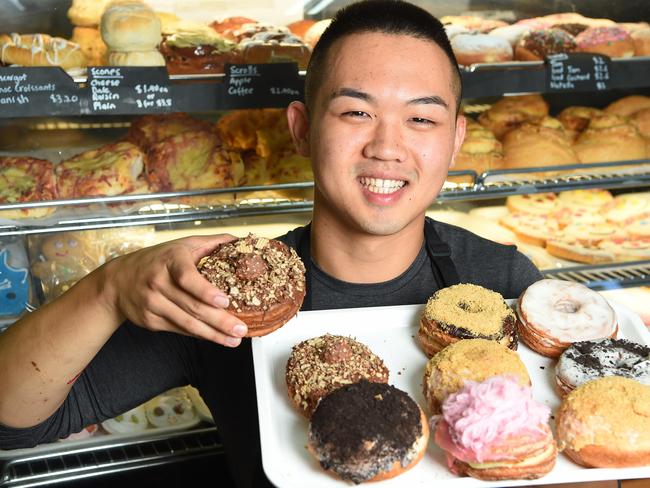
(386, 142)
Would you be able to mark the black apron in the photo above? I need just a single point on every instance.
(444, 269)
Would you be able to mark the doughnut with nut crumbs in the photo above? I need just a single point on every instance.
(319, 365)
(587, 360)
(468, 360)
(264, 279)
(368, 431)
(605, 423)
(466, 311)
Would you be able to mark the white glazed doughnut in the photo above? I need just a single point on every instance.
(480, 48)
(553, 314)
(173, 408)
(588, 360)
(129, 422)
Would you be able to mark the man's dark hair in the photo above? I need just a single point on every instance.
(385, 16)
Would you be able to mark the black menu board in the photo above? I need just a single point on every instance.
(578, 72)
(261, 85)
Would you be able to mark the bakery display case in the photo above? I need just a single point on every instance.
(114, 138)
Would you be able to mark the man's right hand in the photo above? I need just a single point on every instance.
(159, 288)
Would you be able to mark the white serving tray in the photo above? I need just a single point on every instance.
(390, 332)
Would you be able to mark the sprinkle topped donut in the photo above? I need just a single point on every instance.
(588, 360)
(319, 365)
(264, 279)
(553, 314)
(466, 311)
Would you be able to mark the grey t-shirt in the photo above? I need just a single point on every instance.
(136, 364)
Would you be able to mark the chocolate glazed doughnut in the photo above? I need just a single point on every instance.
(264, 279)
(368, 432)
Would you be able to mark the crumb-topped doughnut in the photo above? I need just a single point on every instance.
(264, 279)
(605, 423)
(588, 360)
(466, 311)
(553, 314)
(368, 432)
(469, 359)
(319, 365)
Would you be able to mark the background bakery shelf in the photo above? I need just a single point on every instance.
(606, 276)
(50, 91)
(168, 208)
(125, 455)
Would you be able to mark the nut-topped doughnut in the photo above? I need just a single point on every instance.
(587, 360)
(264, 279)
(368, 432)
(537, 44)
(319, 365)
(553, 314)
(466, 311)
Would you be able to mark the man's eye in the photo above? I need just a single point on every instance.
(423, 121)
(356, 113)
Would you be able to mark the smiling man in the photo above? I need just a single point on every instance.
(381, 125)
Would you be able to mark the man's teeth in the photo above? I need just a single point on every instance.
(377, 185)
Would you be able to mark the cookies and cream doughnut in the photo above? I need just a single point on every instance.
(264, 280)
(368, 432)
(605, 423)
(553, 314)
(588, 360)
(535, 45)
(494, 430)
(319, 365)
(465, 311)
(468, 360)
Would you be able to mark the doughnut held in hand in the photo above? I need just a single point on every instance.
(368, 432)
(320, 365)
(264, 279)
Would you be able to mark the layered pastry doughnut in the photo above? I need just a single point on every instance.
(368, 432)
(320, 365)
(494, 430)
(588, 360)
(466, 311)
(553, 314)
(605, 423)
(264, 279)
(468, 360)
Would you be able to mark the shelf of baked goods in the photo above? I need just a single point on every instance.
(173, 64)
(171, 427)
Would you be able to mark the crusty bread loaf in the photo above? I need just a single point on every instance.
(136, 58)
(610, 138)
(626, 106)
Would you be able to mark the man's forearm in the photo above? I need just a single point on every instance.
(43, 353)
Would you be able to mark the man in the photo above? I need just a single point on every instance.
(381, 126)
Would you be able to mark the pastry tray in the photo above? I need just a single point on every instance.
(390, 332)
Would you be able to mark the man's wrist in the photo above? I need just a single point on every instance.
(104, 288)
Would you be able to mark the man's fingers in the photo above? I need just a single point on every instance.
(203, 245)
(177, 320)
(186, 277)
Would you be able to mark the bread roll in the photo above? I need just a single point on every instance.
(641, 120)
(136, 58)
(86, 13)
(130, 25)
(610, 138)
(534, 145)
(626, 106)
(480, 150)
(575, 119)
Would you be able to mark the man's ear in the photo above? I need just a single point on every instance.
(298, 120)
(459, 137)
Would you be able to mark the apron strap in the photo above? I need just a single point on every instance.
(442, 266)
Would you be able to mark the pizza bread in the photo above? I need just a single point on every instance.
(24, 179)
(112, 169)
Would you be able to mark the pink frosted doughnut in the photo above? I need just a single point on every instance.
(553, 314)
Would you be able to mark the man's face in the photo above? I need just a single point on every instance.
(383, 131)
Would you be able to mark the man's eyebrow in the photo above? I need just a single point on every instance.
(433, 99)
(351, 92)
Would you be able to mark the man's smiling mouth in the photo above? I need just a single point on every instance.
(378, 185)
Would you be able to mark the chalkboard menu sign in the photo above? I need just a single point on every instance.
(128, 90)
(261, 85)
(34, 91)
(578, 72)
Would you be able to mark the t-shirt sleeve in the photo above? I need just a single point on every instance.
(133, 366)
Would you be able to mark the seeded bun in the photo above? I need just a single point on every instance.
(264, 279)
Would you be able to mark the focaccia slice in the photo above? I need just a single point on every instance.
(192, 161)
(147, 130)
(25, 179)
(110, 170)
